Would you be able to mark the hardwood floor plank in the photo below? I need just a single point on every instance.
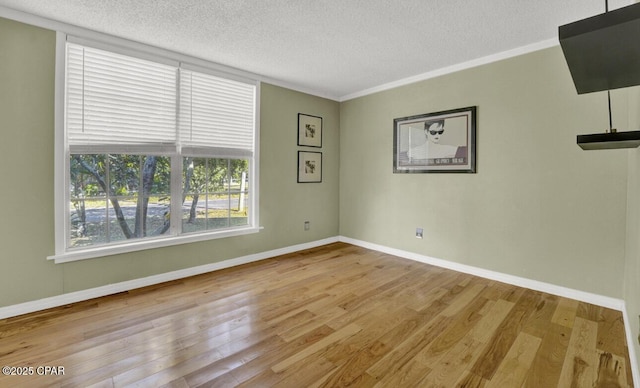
(580, 364)
(464, 298)
(312, 323)
(305, 372)
(161, 370)
(427, 299)
(466, 352)
(249, 370)
(339, 335)
(506, 334)
(336, 315)
(375, 326)
(565, 312)
(351, 371)
(458, 329)
(407, 375)
(364, 349)
(491, 321)
(611, 335)
(540, 320)
(448, 370)
(404, 351)
(430, 365)
(547, 365)
(181, 383)
(470, 380)
(515, 366)
(234, 359)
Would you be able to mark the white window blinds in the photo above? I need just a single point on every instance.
(216, 115)
(114, 99)
(117, 102)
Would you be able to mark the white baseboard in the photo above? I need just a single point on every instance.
(599, 300)
(633, 358)
(79, 296)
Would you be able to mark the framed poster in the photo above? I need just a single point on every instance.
(309, 130)
(309, 167)
(435, 142)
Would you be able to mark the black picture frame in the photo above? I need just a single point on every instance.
(309, 167)
(438, 142)
(309, 130)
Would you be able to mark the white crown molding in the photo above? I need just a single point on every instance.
(455, 68)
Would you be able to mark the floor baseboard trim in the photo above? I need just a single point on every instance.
(633, 357)
(599, 300)
(80, 296)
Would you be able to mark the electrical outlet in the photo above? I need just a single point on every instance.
(419, 232)
(307, 225)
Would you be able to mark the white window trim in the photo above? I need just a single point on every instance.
(150, 243)
(61, 183)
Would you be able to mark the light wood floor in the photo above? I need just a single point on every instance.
(333, 316)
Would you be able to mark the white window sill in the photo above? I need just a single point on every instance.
(91, 253)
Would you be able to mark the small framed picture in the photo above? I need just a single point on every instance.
(309, 130)
(309, 167)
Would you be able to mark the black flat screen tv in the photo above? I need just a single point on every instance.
(603, 51)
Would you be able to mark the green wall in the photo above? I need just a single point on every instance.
(27, 56)
(632, 268)
(538, 207)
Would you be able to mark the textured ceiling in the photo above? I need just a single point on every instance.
(333, 48)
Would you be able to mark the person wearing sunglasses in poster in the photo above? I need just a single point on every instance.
(434, 130)
(432, 151)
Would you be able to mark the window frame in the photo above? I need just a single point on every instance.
(62, 154)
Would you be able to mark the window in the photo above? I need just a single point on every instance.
(155, 152)
(115, 198)
(216, 194)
